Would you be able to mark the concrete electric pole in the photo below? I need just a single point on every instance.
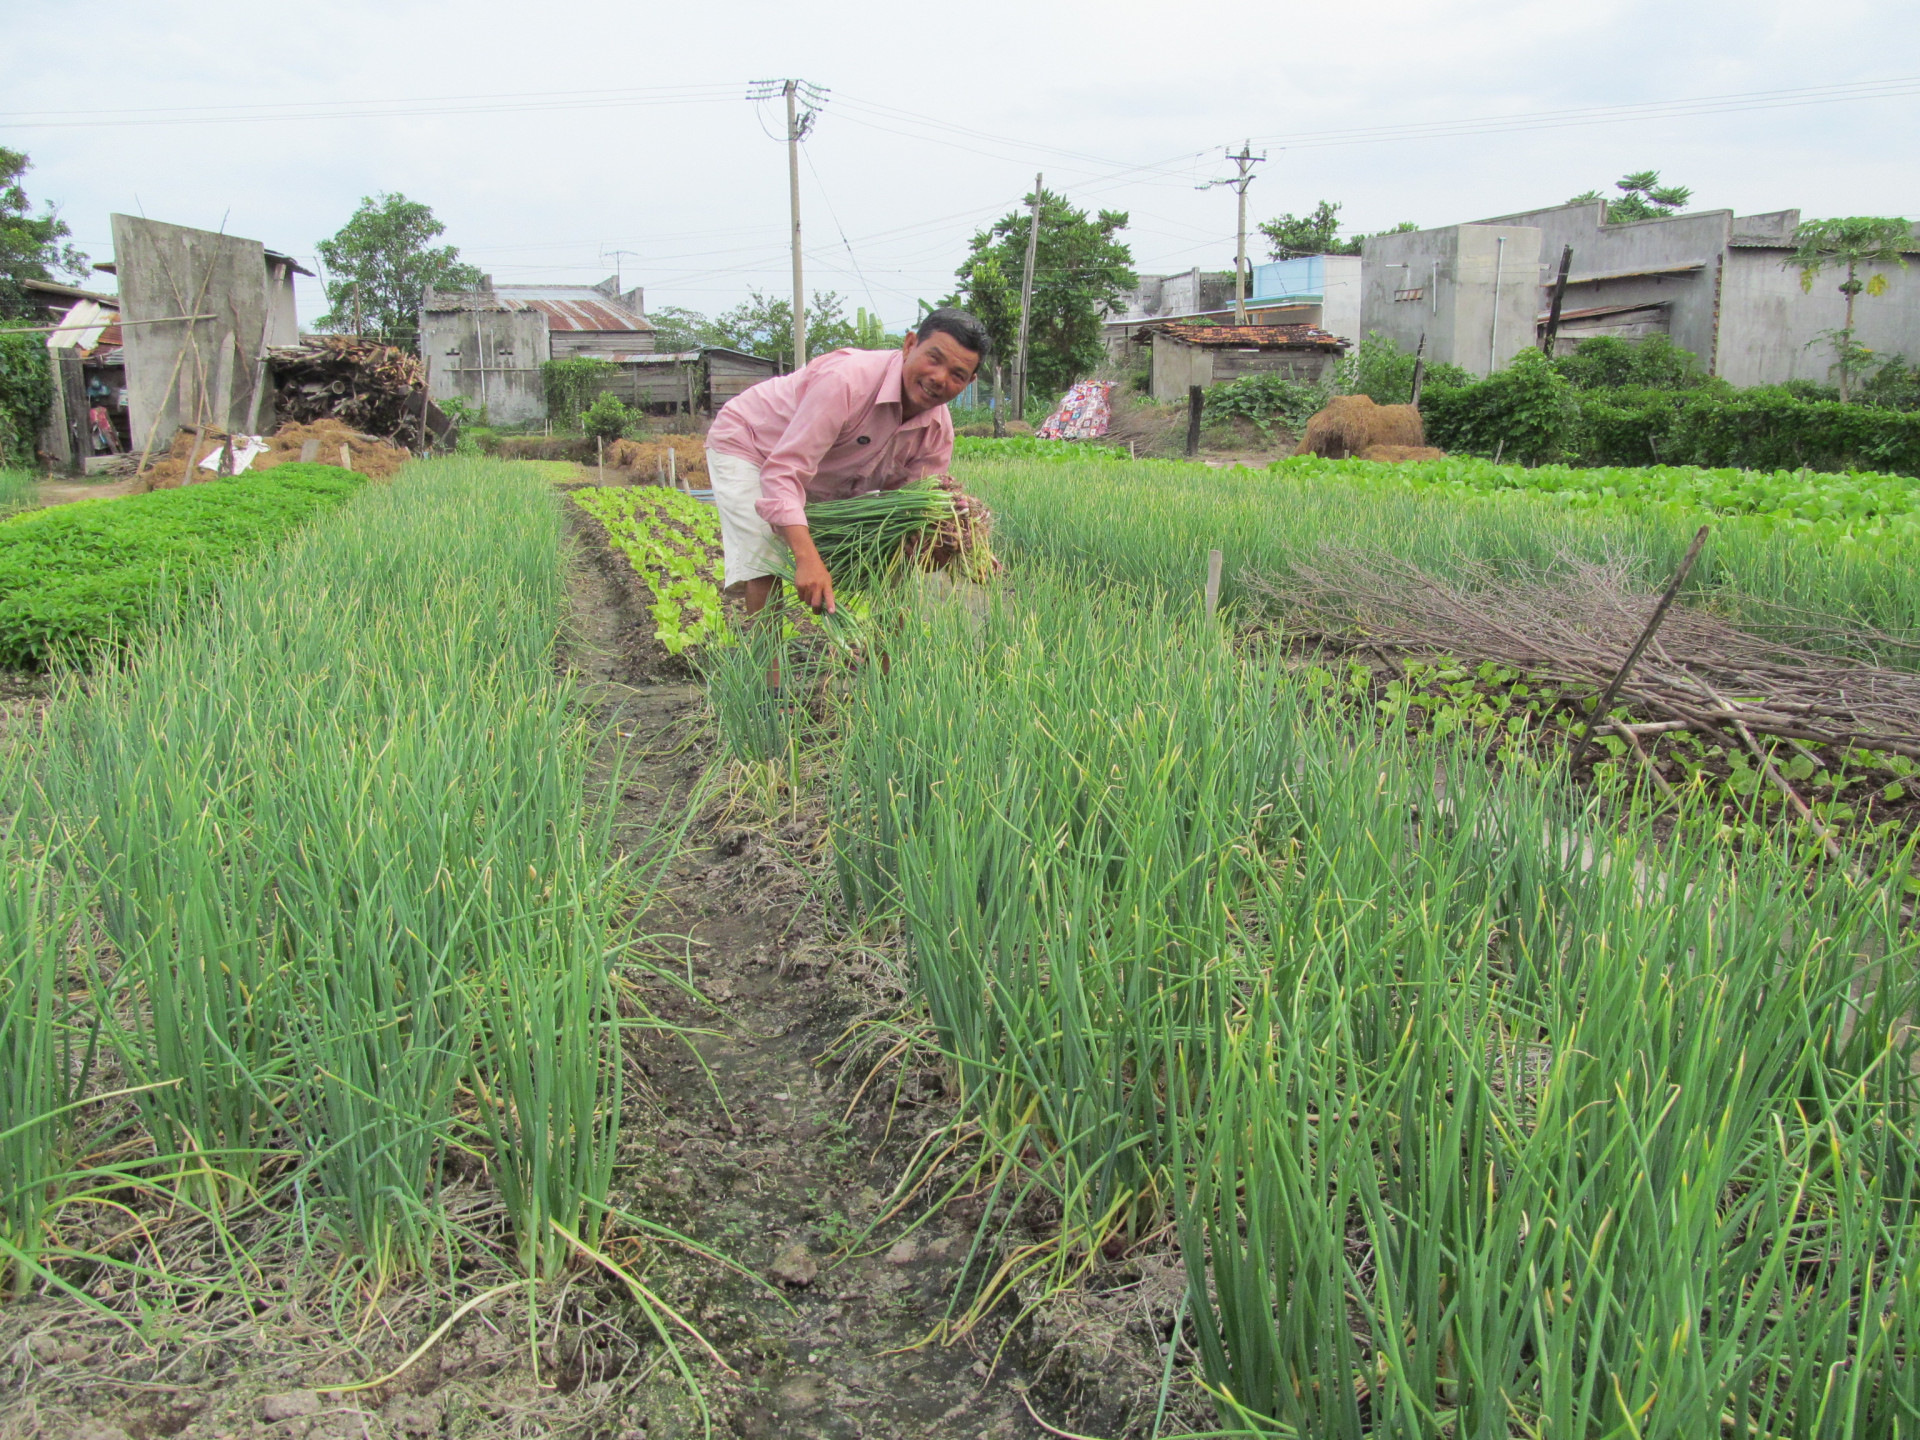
(804, 100)
(1026, 308)
(1243, 177)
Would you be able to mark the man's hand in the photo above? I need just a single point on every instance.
(811, 581)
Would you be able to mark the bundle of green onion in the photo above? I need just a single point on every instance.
(863, 538)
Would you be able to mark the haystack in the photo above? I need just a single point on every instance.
(1400, 454)
(1351, 423)
(646, 458)
(371, 457)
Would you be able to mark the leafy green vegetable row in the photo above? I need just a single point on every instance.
(673, 543)
(1852, 506)
(75, 576)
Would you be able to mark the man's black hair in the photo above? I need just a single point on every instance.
(961, 326)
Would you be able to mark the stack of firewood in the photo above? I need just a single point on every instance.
(378, 389)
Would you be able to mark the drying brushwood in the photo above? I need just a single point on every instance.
(1577, 626)
(379, 389)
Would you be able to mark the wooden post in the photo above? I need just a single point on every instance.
(193, 455)
(226, 459)
(1196, 397)
(673, 468)
(346, 458)
(1419, 369)
(1553, 309)
(1653, 624)
(1214, 563)
(259, 394)
(600, 457)
(999, 405)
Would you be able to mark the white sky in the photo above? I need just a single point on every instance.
(1121, 104)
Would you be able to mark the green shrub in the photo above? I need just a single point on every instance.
(571, 385)
(1264, 399)
(1525, 413)
(26, 393)
(1382, 371)
(1767, 428)
(1606, 361)
(76, 576)
(607, 418)
(1894, 386)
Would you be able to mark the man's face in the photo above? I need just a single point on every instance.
(935, 370)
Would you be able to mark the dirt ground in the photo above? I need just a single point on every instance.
(741, 1132)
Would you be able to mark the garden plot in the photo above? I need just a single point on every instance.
(1201, 959)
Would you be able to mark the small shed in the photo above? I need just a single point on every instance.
(685, 380)
(1184, 355)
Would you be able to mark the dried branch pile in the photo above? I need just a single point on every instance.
(1701, 673)
(374, 388)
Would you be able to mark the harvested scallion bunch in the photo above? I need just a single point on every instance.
(862, 538)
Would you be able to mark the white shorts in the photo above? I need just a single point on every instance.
(748, 547)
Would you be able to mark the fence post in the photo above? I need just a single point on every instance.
(1195, 397)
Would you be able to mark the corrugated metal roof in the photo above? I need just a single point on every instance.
(585, 315)
(1679, 267)
(574, 307)
(1593, 312)
(1263, 337)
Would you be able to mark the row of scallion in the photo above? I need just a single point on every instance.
(1150, 525)
(1475, 1112)
(314, 885)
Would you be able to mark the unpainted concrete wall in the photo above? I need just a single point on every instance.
(1771, 330)
(1454, 269)
(489, 358)
(191, 372)
(1176, 366)
(1608, 250)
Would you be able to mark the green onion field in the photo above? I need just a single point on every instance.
(1467, 1098)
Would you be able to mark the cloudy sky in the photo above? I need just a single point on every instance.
(549, 136)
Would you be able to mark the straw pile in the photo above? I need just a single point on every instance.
(1350, 424)
(371, 457)
(648, 458)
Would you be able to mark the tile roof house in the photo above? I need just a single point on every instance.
(1186, 354)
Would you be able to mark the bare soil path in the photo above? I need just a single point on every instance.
(754, 1155)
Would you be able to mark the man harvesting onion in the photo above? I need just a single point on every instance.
(850, 423)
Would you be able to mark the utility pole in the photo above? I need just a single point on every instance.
(1026, 307)
(1243, 177)
(804, 100)
(793, 187)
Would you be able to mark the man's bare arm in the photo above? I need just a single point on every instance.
(810, 578)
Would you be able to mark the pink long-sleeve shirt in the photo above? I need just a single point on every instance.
(831, 430)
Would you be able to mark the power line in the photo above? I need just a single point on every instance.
(1897, 88)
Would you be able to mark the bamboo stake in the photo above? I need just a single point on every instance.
(1653, 624)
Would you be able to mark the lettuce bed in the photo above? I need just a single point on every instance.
(77, 575)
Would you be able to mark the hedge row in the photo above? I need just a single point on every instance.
(76, 576)
(1530, 413)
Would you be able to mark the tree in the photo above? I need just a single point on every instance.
(764, 326)
(1317, 233)
(1853, 244)
(1080, 273)
(30, 248)
(675, 329)
(379, 265)
(1642, 197)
